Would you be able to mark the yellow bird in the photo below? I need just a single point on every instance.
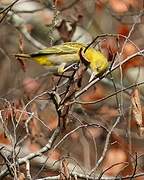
(57, 57)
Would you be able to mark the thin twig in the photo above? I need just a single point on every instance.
(7, 9)
(111, 95)
(116, 164)
(33, 155)
(106, 146)
(135, 167)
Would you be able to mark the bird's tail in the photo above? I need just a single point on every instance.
(22, 56)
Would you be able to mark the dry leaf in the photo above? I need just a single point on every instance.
(137, 110)
(58, 3)
(129, 49)
(21, 176)
(64, 170)
(4, 139)
(118, 6)
(116, 159)
(123, 29)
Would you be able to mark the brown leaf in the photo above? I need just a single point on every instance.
(21, 176)
(64, 170)
(4, 139)
(58, 3)
(118, 6)
(115, 161)
(123, 29)
(137, 110)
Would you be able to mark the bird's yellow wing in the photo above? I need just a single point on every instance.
(66, 48)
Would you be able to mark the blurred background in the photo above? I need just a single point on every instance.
(29, 25)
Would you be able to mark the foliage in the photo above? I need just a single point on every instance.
(63, 126)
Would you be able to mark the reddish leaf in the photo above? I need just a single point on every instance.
(118, 6)
(128, 50)
(116, 159)
(58, 3)
(123, 29)
(110, 48)
(4, 139)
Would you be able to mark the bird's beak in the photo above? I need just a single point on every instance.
(92, 76)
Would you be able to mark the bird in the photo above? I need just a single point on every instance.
(57, 57)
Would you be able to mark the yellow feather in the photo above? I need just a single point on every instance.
(68, 53)
(43, 60)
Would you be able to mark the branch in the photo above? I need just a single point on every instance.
(140, 53)
(33, 155)
(111, 95)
